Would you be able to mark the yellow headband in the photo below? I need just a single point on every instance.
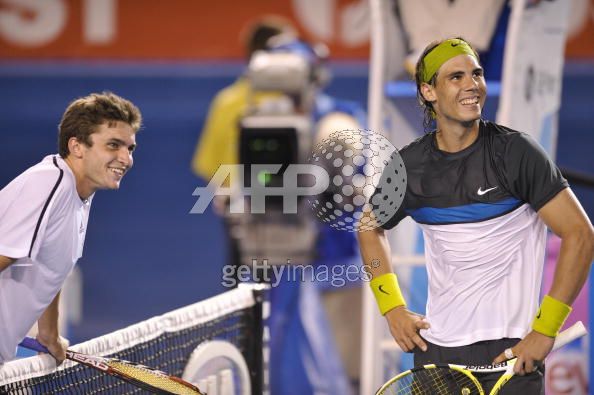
(442, 53)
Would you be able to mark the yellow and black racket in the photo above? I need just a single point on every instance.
(449, 379)
(147, 378)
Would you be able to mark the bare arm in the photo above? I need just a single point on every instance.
(566, 218)
(375, 252)
(5, 262)
(48, 334)
(404, 324)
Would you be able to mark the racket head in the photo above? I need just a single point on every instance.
(149, 379)
(141, 376)
(433, 380)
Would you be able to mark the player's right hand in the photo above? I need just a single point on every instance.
(57, 347)
(404, 326)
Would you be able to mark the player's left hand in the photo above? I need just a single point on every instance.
(531, 350)
(56, 345)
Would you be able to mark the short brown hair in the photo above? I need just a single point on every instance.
(83, 115)
(427, 106)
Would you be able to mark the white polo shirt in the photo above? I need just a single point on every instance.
(43, 224)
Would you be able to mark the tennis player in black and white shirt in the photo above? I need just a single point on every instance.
(44, 214)
(483, 195)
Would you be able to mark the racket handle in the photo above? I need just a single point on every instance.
(575, 331)
(33, 344)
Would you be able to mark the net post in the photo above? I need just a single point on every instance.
(259, 370)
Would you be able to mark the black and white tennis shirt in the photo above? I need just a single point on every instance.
(484, 242)
(43, 225)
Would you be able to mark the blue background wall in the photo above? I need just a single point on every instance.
(144, 254)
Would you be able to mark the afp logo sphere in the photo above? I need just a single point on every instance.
(367, 180)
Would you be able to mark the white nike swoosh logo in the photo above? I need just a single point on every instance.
(481, 192)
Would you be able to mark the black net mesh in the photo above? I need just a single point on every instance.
(168, 352)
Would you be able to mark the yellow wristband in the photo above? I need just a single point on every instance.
(551, 316)
(387, 292)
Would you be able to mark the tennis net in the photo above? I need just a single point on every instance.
(224, 332)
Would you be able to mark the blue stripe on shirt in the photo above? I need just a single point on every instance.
(474, 212)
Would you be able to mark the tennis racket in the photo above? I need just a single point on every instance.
(449, 379)
(149, 379)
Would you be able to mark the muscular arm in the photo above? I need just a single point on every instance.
(566, 218)
(48, 334)
(404, 324)
(5, 262)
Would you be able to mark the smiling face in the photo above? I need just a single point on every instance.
(102, 165)
(459, 93)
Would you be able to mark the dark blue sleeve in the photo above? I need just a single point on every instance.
(531, 175)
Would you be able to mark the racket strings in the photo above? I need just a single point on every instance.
(433, 381)
(153, 378)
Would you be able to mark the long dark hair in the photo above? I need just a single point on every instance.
(427, 106)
